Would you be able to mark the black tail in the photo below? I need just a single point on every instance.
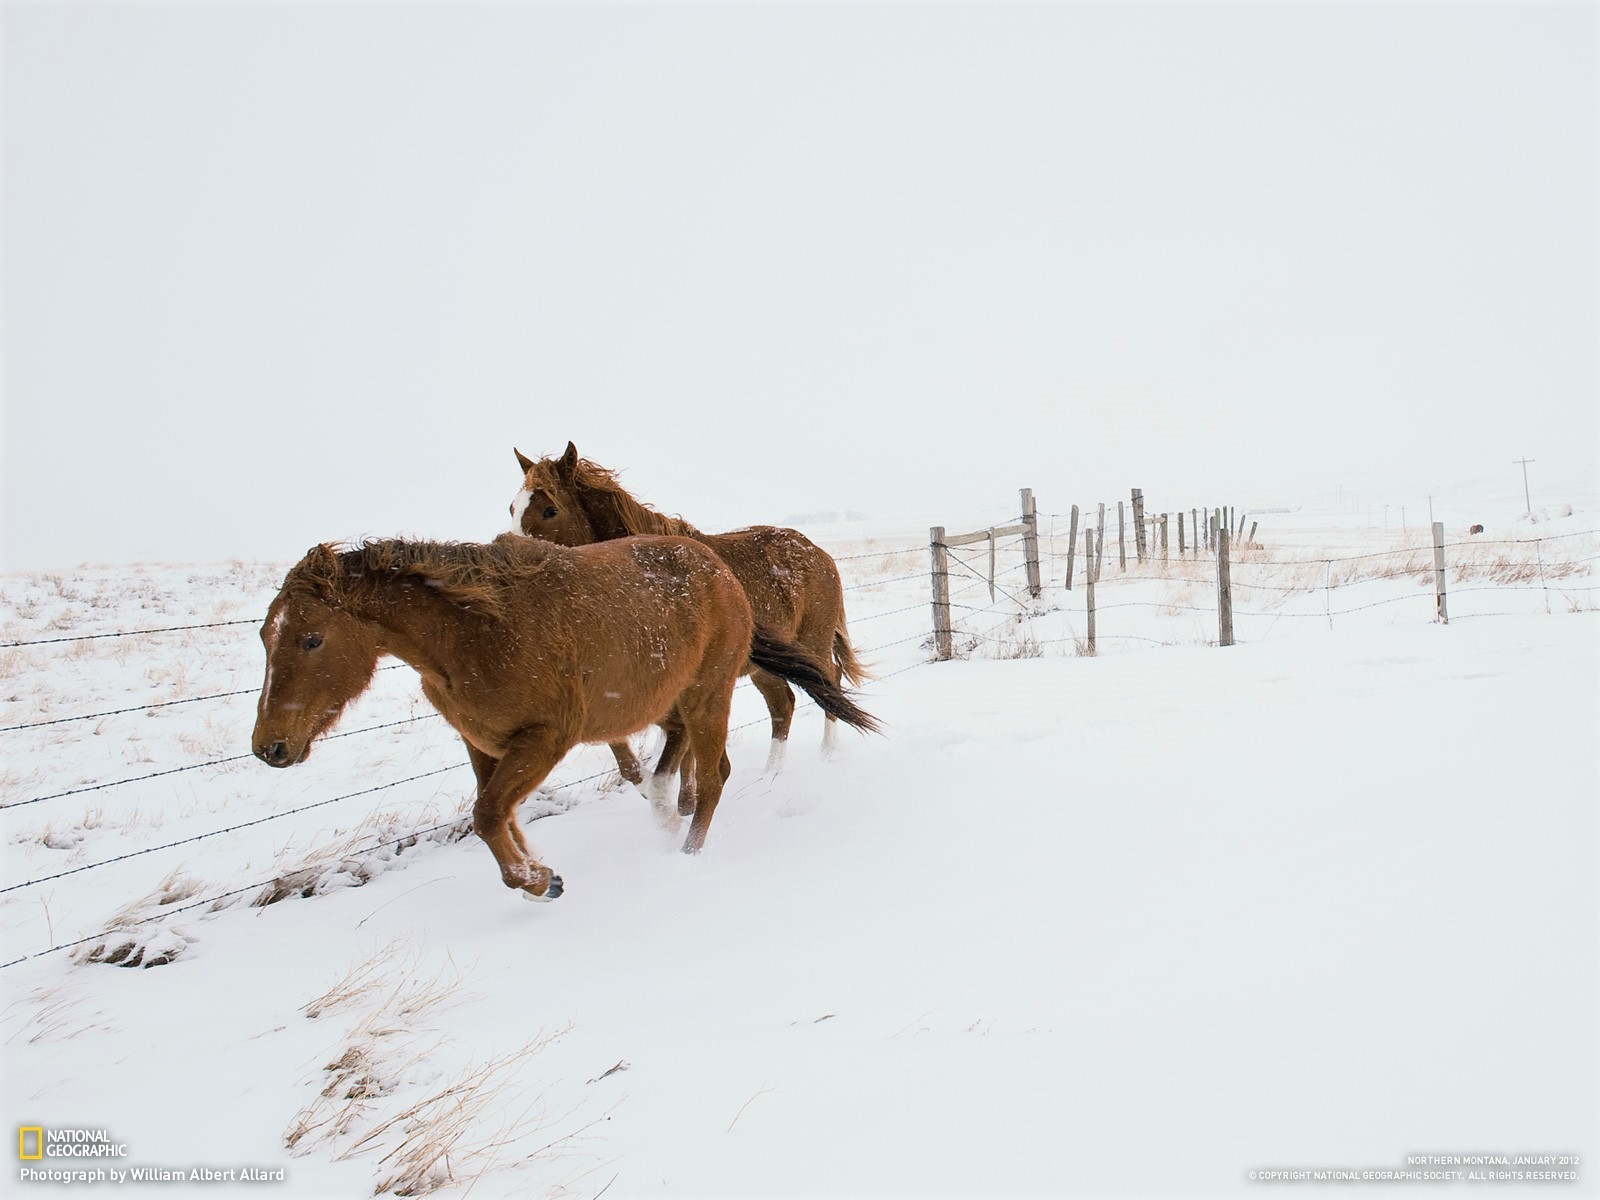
(794, 664)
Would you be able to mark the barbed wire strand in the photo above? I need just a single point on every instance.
(91, 637)
(216, 762)
(117, 712)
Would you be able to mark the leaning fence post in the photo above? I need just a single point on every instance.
(1224, 591)
(1139, 543)
(1030, 540)
(1072, 545)
(1252, 540)
(941, 593)
(1088, 583)
(1438, 570)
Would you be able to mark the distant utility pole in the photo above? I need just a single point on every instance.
(1525, 462)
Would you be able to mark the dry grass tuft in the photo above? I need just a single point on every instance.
(443, 1135)
(454, 1135)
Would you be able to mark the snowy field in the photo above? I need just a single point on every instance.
(1132, 923)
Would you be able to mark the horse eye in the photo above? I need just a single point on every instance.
(311, 641)
(512, 509)
(550, 513)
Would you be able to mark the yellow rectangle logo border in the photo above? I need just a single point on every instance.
(22, 1143)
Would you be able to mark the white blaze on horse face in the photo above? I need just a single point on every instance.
(274, 632)
(519, 505)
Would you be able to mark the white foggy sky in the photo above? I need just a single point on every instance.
(283, 273)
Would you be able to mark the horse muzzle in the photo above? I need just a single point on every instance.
(278, 754)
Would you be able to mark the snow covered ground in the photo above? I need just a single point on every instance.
(1137, 923)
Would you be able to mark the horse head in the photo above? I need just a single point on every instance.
(547, 506)
(319, 658)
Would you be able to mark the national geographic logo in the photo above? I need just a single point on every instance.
(35, 1142)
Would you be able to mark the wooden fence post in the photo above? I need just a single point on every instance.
(1438, 570)
(1072, 545)
(1252, 539)
(1180, 535)
(1224, 591)
(1122, 541)
(941, 593)
(1088, 583)
(1164, 556)
(1099, 541)
(1194, 528)
(1030, 540)
(1139, 543)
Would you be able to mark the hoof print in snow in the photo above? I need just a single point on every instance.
(126, 948)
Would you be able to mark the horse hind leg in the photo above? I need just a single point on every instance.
(658, 787)
(686, 787)
(780, 704)
(708, 737)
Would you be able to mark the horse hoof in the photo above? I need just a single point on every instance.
(550, 893)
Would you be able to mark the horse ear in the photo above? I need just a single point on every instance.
(568, 466)
(523, 460)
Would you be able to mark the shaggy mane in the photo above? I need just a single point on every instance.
(612, 511)
(471, 574)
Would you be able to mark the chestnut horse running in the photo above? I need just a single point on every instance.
(526, 649)
(792, 584)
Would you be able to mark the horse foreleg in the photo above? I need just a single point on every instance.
(530, 757)
(483, 766)
(627, 763)
(780, 704)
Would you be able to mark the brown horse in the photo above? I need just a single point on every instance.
(792, 584)
(526, 649)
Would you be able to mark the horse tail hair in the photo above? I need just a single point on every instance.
(790, 662)
(844, 657)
